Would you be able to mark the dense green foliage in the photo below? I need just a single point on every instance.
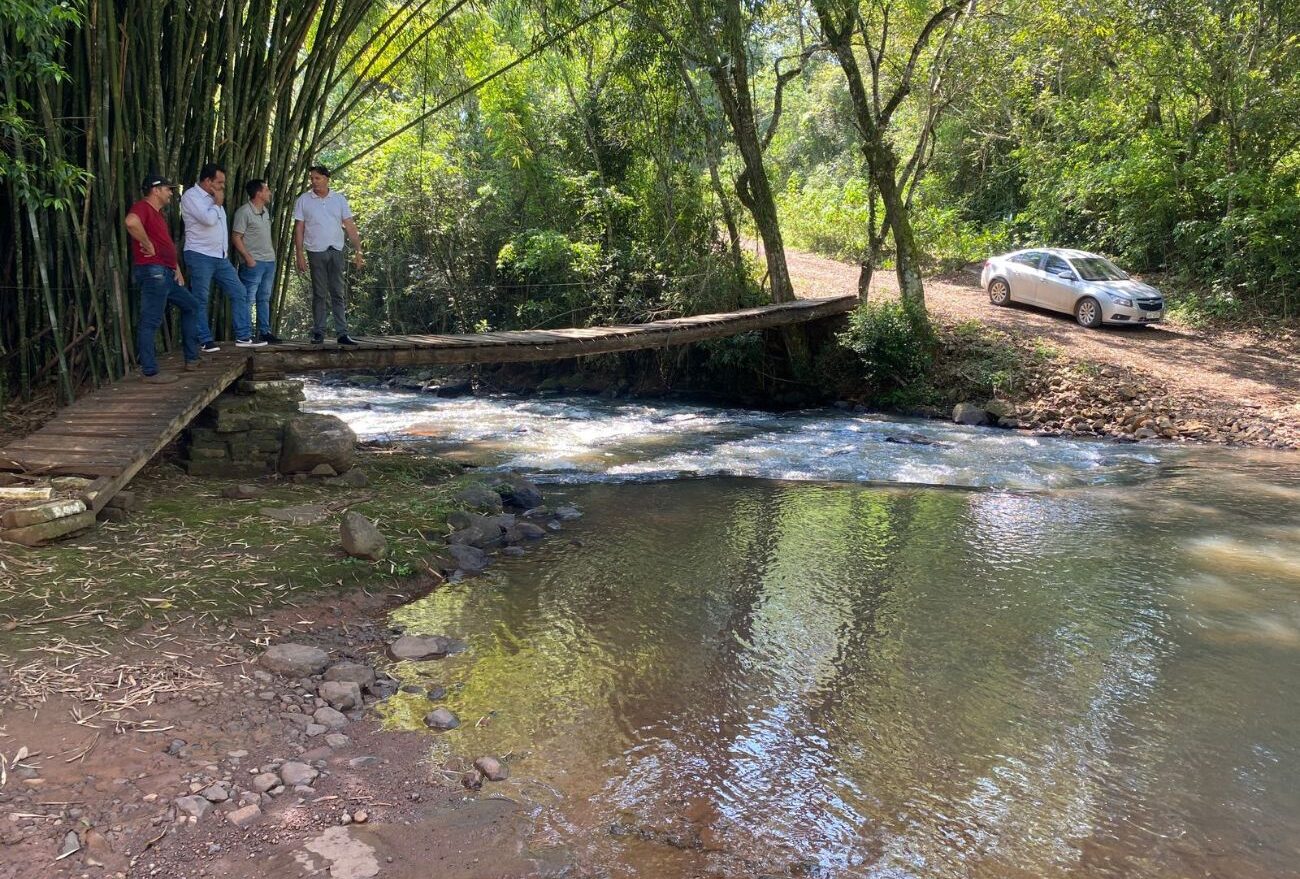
(538, 164)
(894, 342)
(1166, 135)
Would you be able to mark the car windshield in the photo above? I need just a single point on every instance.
(1096, 268)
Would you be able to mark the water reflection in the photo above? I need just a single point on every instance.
(738, 677)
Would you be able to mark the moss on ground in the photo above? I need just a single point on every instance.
(187, 551)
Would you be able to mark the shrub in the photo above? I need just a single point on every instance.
(894, 341)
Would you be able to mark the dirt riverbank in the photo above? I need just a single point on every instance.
(1169, 381)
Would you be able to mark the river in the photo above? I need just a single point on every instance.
(834, 645)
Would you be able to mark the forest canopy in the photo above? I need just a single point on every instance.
(528, 164)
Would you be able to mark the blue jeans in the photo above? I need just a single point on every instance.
(203, 270)
(157, 288)
(258, 281)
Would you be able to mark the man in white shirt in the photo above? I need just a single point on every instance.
(207, 240)
(320, 219)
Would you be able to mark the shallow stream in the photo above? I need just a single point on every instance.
(830, 645)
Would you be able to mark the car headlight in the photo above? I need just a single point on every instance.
(1121, 300)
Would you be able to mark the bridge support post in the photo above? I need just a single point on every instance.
(241, 434)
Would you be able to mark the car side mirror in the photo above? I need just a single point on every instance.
(1064, 274)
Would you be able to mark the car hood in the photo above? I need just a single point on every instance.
(1129, 287)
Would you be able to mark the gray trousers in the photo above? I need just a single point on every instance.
(327, 284)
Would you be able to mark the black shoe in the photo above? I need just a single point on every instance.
(271, 339)
(317, 339)
(209, 347)
(345, 339)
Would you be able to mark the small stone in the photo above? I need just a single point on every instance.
(492, 769)
(337, 740)
(356, 672)
(265, 781)
(295, 660)
(242, 492)
(71, 845)
(525, 531)
(418, 648)
(302, 514)
(361, 539)
(343, 695)
(215, 793)
(365, 761)
(324, 470)
(294, 773)
(361, 816)
(315, 729)
(565, 514)
(441, 718)
(245, 816)
(194, 806)
(472, 780)
(330, 717)
(436, 692)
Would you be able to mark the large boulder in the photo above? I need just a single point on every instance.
(361, 539)
(295, 660)
(312, 440)
(969, 413)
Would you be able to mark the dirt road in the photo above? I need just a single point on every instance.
(1235, 369)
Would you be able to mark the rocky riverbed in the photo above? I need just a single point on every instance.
(254, 747)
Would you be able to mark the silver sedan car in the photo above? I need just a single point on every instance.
(1073, 281)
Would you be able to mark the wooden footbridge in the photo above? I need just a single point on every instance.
(110, 434)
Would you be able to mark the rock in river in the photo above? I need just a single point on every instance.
(295, 660)
(520, 494)
(969, 413)
(491, 767)
(441, 718)
(469, 559)
(420, 647)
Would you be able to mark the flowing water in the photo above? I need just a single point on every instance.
(830, 645)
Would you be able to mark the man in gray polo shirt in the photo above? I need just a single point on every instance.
(251, 232)
(320, 218)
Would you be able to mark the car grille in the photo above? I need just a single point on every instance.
(1151, 304)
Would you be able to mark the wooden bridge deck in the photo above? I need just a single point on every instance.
(109, 435)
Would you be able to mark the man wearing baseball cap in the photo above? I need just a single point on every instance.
(154, 270)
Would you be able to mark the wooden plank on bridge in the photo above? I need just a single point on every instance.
(112, 433)
(525, 345)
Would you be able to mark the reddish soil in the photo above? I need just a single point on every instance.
(113, 738)
(1232, 369)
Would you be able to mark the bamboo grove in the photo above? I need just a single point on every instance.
(99, 94)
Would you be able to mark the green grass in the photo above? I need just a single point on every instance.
(187, 551)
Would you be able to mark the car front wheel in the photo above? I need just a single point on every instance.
(1087, 311)
(999, 292)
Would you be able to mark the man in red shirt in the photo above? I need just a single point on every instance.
(154, 269)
